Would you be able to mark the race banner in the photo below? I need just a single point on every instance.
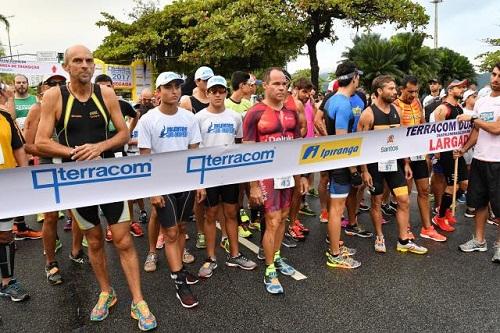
(55, 187)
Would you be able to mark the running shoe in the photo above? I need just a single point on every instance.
(261, 255)
(151, 262)
(28, 234)
(143, 218)
(470, 212)
(243, 231)
(305, 210)
(323, 217)
(492, 220)
(394, 206)
(240, 261)
(184, 293)
(388, 210)
(473, 245)
(449, 216)
(109, 234)
(254, 225)
(14, 291)
(60, 215)
(341, 261)
(224, 243)
(101, 309)
(461, 199)
(496, 253)
(384, 221)
(190, 278)
(411, 247)
(431, 233)
(442, 223)
(57, 248)
(187, 257)
(81, 258)
(356, 230)
(283, 267)
(53, 273)
(273, 285)
(380, 245)
(207, 269)
(363, 207)
(313, 193)
(140, 312)
(200, 241)
(68, 225)
(347, 251)
(160, 242)
(244, 216)
(302, 228)
(136, 230)
(294, 231)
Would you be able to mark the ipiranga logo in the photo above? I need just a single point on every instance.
(57, 177)
(204, 163)
(329, 151)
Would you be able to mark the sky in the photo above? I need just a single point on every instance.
(37, 26)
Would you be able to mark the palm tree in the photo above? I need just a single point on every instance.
(4, 20)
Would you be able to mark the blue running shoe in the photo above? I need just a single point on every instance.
(273, 285)
(283, 267)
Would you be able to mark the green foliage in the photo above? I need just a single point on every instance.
(489, 59)
(453, 66)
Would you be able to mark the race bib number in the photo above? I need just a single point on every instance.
(388, 166)
(20, 122)
(56, 160)
(118, 154)
(2, 160)
(417, 158)
(281, 183)
(487, 116)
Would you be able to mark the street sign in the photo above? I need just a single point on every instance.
(46, 56)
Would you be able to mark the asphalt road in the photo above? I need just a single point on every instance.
(445, 290)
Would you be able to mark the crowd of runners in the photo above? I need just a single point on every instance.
(75, 118)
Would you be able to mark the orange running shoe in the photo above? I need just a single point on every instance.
(442, 223)
(449, 216)
(301, 226)
(26, 234)
(136, 230)
(295, 232)
(431, 233)
(323, 217)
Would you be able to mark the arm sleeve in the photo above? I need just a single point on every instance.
(144, 137)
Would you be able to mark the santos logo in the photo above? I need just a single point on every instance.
(204, 163)
(59, 177)
(331, 150)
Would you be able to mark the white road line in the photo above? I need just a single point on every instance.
(255, 249)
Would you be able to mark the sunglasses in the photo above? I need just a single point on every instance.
(55, 83)
(219, 90)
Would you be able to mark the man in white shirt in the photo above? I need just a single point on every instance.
(163, 129)
(221, 126)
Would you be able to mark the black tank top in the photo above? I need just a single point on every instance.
(454, 111)
(83, 122)
(383, 120)
(196, 105)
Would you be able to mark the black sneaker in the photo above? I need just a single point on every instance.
(81, 258)
(356, 230)
(190, 278)
(387, 209)
(260, 254)
(470, 212)
(53, 273)
(144, 217)
(363, 207)
(184, 293)
(14, 291)
(288, 241)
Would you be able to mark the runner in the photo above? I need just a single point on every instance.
(79, 112)
(484, 183)
(195, 103)
(51, 242)
(221, 126)
(11, 155)
(411, 114)
(267, 121)
(127, 112)
(450, 109)
(169, 128)
(383, 115)
(341, 115)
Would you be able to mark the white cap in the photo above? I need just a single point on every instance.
(167, 77)
(203, 73)
(47, 77)
(468, 93)
(216, 81)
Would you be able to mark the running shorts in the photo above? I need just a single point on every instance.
(275, 200)
(484, 185)
(178, 208)
(448, 163)
(228, 194)
(419, 169)
(396, 180)
(88, 217)
(340, 183)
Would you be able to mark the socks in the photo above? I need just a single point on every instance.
(445, 204)
(277, 255)
(270, 269)
(403, 242)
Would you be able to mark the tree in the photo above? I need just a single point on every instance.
(453, 66)
(489, 59)
(5, 22)
(319, 17)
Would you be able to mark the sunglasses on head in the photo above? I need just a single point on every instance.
(55, 83)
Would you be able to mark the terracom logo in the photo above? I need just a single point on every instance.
(204, 163)
(59, 177)
(331, 150)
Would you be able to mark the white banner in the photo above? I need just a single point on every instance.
(33, 70)
(54, 187)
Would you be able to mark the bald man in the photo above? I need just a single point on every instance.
(83, 135)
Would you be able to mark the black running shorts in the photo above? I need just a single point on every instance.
(395, 180)
(419, 169)
(228, 194)
(484, 185)
(178, 208)
(448, 164)
(88, 217)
